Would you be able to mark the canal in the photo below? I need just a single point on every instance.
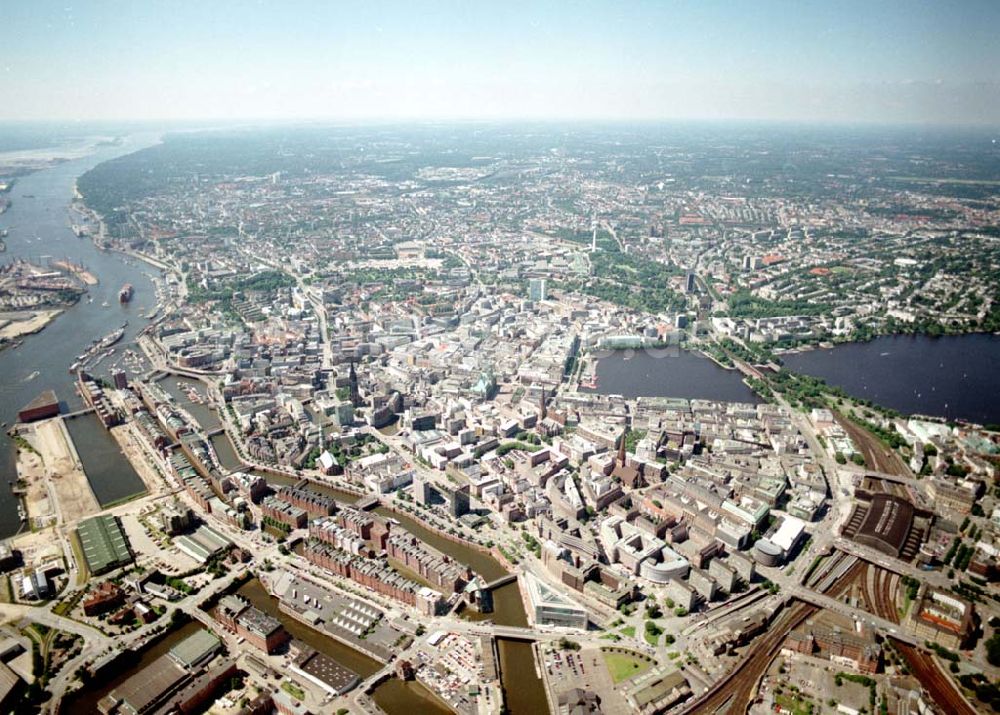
(667, 372)
(954, 376)
(524, 692)
(180, 389)
(39, 222)
(85, 700)
(395, 696)
(107, 468)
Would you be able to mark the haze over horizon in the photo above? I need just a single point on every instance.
(896, 62)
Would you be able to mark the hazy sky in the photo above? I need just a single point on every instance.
(935, 61)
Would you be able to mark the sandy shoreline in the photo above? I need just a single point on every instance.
(19, 328)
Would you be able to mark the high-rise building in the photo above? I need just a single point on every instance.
(691, 285)
(536, 289)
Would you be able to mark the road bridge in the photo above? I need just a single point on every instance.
(78, 413)
(502, 581)
(857, 614)
(889, 563)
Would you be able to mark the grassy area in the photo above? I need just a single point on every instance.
(24, 445)
(67, 604)
(83, 575)
(623, 665)
(124, 500)
(794, 704)
(652, 633)
(294, 690)
(906, 605)
(628, 631)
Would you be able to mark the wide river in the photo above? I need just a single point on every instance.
(955, 377)
(39, 222)
(39, 227)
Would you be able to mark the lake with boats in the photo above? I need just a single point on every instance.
(954, 376)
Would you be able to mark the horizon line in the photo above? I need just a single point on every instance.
(471, 120)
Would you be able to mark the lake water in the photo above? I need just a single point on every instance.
(957, 377)
(40, 227)
(668, 372)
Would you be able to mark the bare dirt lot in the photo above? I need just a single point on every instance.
(63, 471)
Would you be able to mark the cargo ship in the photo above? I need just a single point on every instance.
(125, 294)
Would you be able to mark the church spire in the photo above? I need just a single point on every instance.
(355, 393)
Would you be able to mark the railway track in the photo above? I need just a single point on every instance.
(734, 694)
(938, 685)
(922, 666)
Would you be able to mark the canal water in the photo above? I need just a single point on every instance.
(179, 387)
(86, 700)
(394, 696)
(107, 468)
(954, 376)
(668, 372)
(523, 689)
(39, 228)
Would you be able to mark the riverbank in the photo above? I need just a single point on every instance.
(709, 356)
(389, 506)
(77, 270)
(57, 484)
(134, 449)
(17, 325)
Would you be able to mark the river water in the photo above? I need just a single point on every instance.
(39, 227)
(668, 372)
(955, 377)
